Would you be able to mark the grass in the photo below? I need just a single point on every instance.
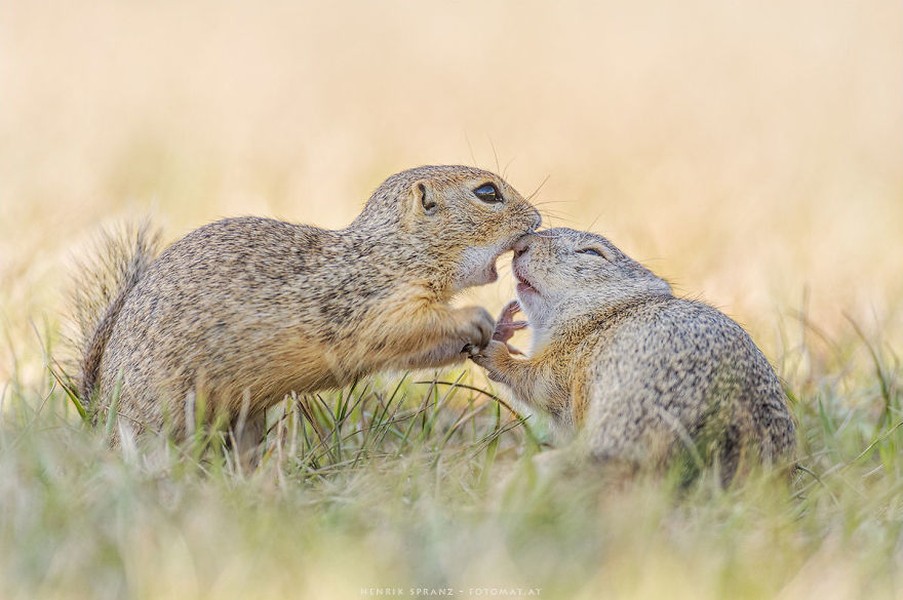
(405, 484)
(748, 152)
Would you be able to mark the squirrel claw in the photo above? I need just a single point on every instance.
(511, 309)
(506, 325)
(471, 350)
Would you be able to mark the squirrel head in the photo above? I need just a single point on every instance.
(457, 220)
(564, 274)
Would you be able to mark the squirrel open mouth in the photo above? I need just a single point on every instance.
(524, 285)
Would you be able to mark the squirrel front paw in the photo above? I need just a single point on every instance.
(477, 327)
(491, 358)
(485, 356)
(506, 325)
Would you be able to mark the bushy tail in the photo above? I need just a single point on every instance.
(100, 291)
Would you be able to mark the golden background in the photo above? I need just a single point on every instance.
(748, 152)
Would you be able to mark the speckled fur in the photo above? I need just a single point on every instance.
(245, 310)
(631, 372)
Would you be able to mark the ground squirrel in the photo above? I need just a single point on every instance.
(246, 310)
(633, 373)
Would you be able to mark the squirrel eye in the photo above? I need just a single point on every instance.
(488, 193)
(590, 251)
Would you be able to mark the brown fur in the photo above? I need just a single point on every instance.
(243, 311)
(633, 373)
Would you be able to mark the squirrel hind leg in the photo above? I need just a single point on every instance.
(245, 439)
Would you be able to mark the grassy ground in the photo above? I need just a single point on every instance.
(748, 152)
(406, 484)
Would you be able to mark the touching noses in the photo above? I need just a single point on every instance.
(522, 245)
(537, 222)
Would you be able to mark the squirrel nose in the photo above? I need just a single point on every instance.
(522, 245)
(538, 222)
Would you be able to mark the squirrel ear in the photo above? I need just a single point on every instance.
(424, 197)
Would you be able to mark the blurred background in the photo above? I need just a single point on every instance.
(750, 152)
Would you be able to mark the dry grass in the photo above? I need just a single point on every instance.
(750, 152)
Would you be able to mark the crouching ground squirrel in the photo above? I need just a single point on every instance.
(635, 374)
(242, 311)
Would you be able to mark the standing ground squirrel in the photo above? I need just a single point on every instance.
(242, 311)
(634, 373)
